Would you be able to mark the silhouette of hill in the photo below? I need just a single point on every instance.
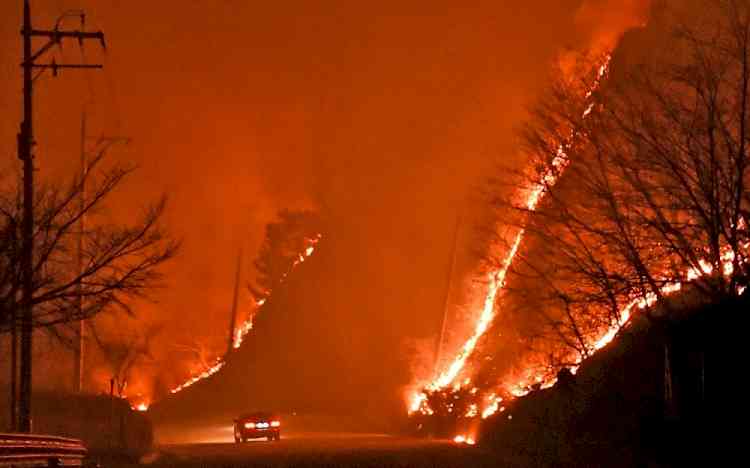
(654, 396)
(301, 358)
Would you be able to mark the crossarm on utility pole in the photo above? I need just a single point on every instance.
(55, 67)
(57, 34)
(55, 38)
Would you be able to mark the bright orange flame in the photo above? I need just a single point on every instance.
(246, 326)
(462, 439)
(203, 375)
(492, 406)
(496, 279)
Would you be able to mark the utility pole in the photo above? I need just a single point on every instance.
(25, 153)
(13, 394)
(79, 348)
(233, 318)
(446, 302)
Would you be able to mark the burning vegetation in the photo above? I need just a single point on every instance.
(287, 245)
(638, 188)
(461, 397)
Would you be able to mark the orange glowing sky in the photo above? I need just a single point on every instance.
(385, 117)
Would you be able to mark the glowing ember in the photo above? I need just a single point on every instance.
(492, 406)
(141, 407)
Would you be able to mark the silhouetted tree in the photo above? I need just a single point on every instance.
(119, 261)
(285, 240)
(123, 352)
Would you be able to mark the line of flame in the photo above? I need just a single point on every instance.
(496, 279)
(247, 325)
(727, 268)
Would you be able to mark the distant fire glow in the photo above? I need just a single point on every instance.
(247, 325)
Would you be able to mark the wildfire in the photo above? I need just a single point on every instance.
(142, 407)
(203, 375)
(496, 278)
(496, 282)
(247, 325)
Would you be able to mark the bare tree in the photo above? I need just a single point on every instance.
(199, 351)
(123, 352)
(120, 261)
(645, 181)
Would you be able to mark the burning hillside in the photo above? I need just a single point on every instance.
(632, 221)
(247, 325)
(449, 379)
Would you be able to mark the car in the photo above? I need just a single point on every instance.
(256, 426)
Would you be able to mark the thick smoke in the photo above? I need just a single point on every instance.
(383, 118)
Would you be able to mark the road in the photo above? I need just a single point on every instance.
(325, 450)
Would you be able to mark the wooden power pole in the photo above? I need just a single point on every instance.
(233, 315)
(79, 346)
(25, 153)
(446, 301)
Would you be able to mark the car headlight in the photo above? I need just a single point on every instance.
(275, 423)
(249, 425)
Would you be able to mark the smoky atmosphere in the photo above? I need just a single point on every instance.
(395, 233)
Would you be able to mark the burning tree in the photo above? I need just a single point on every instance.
(654, 193)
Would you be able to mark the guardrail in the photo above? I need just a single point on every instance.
(32, 450)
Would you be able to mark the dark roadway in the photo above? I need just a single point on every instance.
(325, 450)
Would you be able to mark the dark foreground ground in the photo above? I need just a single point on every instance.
(318, 450)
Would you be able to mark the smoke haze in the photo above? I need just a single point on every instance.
(385, 118)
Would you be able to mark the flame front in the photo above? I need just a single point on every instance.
(246, 326)
(447, 380)
(203, 375)
(497, 278)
